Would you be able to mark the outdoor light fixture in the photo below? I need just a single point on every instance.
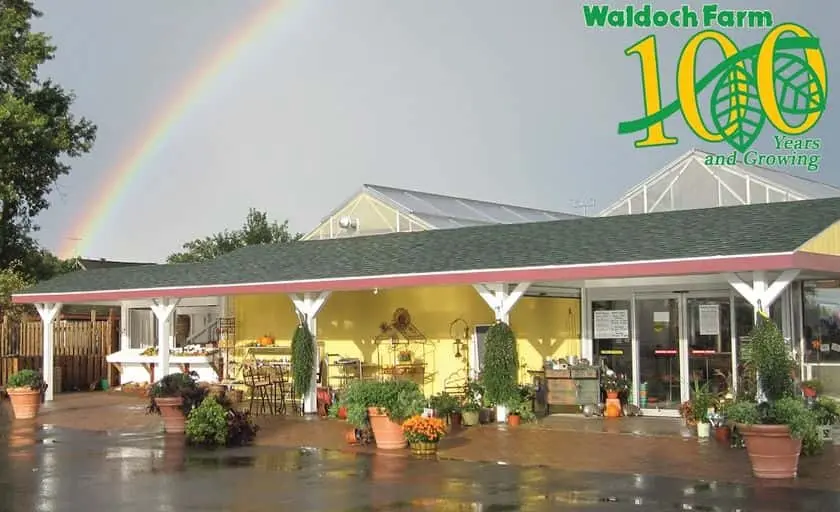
(458, 326)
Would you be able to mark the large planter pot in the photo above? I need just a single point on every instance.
(469, 418)
(485, 415)
(424, 448)
(455, 420)
(773, 452)
(704, 430)
(514, 420)
(501, 413)
(25, 402)
(173, 417)
(388, 434)
(723, 434)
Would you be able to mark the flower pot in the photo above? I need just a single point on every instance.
(773, 452)
(501, 413)
(173, 417)
(350, 436)
(455, 420)
(387, 433)
(514, 420)
(703, 430)
(723, 434)
(25, 402)
(612, 395)
(469, 418)
(342, 413)
(424, 447)
(485, 415)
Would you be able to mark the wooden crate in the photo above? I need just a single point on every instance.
(584, 373)
(556, 374)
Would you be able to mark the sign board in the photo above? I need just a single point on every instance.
(611, 324)
(709, 319)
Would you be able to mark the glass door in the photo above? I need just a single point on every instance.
(709, 333)
(656, 337)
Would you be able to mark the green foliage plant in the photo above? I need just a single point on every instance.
(501, 364)
(26, 379)
(184, 385)
(701, 401)
(522, 407)
(303, 359)
(444, 404)
(207, 424)
(399, 399)
(774, 367)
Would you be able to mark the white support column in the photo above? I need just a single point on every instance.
(308, 305)
(587, 349)
(500, 299)
(163, 309)
(48, 312)
(125, 327)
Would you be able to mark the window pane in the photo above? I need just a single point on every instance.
(821, 321)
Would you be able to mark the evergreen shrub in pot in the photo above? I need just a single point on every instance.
(303, 360)
(24, 389)
(781, 427)
(383, 405)
(500, 374)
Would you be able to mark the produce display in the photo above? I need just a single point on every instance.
(189, 350)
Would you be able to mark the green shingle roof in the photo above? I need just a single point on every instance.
(752, 229)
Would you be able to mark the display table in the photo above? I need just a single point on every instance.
(136, 367)
(577, 385)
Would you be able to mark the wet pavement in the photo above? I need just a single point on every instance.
(53, 469)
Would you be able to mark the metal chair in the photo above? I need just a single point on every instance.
(259, 386)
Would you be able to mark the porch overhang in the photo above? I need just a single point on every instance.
(573, 272)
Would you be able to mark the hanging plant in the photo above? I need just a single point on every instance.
(303, 359)
(501, 361)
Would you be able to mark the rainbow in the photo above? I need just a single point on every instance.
(194, 87)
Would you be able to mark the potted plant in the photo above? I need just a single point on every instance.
(446, 407)
(778, 429)
(519, 411)
(687, 413)
(811, 389)
(501, 368)
(303, 361)
(701, 403)
(469, 413)
(613, 385)
(384, 405)
(24, 389)
(174, 397)
(827, 412)
(423, 434)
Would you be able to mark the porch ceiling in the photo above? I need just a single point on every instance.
(742, 238)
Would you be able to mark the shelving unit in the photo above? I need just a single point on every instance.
(395, 340)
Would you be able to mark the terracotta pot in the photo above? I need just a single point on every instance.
(455, 420)
(424, 448)
(612, 394)
(25, 402)
(773, 452)
(469, 418)
(388, 434)
(173, 417)
(342, 413)
(485, 415)
(723, 434)
(514, 420)
(350, 436)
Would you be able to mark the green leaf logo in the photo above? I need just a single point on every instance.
(736, 108)
(797, 89)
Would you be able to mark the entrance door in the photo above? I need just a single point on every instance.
(709, 336)
(658, 354)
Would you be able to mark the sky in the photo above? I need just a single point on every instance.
(500, 100)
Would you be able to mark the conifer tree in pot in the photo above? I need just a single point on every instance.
(501, 367)
(779, 428)
(303, 360)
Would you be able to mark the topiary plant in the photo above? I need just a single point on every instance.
(303, 359)
(501, 364)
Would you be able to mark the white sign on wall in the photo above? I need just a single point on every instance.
(611, 324)
(709, 319)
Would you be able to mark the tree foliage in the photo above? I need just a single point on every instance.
(38, 132)
(256, 230)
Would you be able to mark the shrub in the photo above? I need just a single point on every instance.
(399, 399)
(207, 424)
(303, 359)
(26, 379)
(501, 364)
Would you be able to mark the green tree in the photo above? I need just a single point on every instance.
(38, 133)
(256, 230)
(11, 281)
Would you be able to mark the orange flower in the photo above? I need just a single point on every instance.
(421, 429)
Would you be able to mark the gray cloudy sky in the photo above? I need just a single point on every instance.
(512, 101)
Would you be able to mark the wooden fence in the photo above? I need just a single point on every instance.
(80, 348)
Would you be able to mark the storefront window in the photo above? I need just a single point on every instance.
(821, 328)
(611, 335)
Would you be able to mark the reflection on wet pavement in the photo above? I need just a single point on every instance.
(51, 469)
